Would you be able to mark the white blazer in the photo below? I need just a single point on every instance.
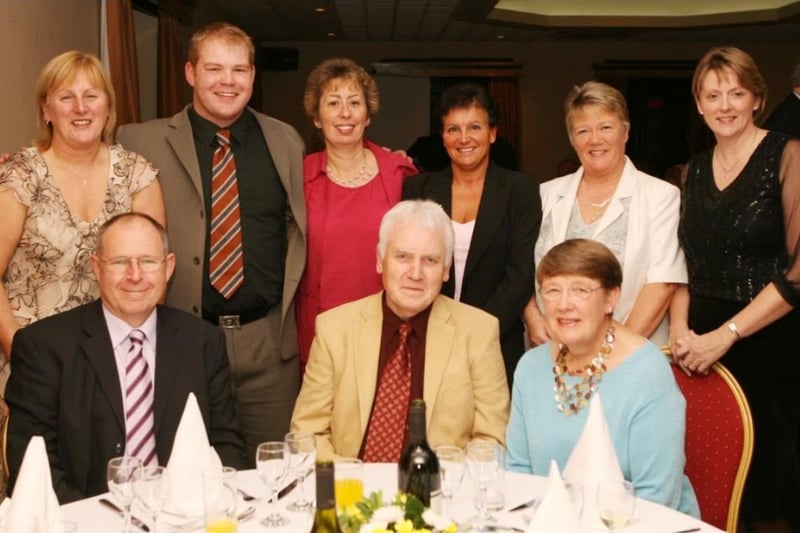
(652, 251)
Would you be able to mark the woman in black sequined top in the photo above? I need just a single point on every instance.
(740, 231)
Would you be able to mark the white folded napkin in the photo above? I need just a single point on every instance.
(593, 460)
(34, 507)
(192, 457)
(556, 512)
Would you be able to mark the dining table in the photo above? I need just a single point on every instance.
(649, 517)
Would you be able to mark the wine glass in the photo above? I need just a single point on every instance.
(483, 465)
(302, 455)
(272, 463)
(615, 503)
(150, 486)
(120, 474)
(451, 469)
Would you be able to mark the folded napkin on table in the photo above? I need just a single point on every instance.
(192, 458)
(34, 507)
(556, 512)
(593, 460)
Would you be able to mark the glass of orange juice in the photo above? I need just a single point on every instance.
(348, 484)
(219, 505)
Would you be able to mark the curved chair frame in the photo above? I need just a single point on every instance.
(747, 439)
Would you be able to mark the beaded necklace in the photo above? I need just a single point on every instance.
(572, 399)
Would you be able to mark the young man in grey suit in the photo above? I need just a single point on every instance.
(79, 383)
(258, 315)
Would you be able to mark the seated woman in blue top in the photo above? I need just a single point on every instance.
(580, 281)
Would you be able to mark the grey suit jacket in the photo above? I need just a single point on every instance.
(65, 387)
(169, 144)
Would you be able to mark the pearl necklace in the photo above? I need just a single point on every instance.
(360, 178)
(573, 399)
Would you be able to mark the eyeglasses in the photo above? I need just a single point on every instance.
(552, 293)
(122, 264)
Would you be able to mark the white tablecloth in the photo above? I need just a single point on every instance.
(91, 517)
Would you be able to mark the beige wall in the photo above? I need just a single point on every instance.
(33, 31)
(550, 70)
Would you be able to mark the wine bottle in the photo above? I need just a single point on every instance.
(325, 520)
(418, 470)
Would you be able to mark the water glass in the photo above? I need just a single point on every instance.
(120, 473)
(219, 505)
(151, 488)
(272, 463)
(483, 465)
(615, 503)
(451, 469)
(302, 456)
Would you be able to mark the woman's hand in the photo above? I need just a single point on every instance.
(535, 324)
(705, 350)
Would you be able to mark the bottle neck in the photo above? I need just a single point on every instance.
(416, 426)
(325, 491)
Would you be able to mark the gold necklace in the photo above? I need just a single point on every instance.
(572, 399)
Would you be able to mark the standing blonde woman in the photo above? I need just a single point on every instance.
(608, 200)
(55, 195)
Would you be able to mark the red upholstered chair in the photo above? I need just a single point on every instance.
(719, 442)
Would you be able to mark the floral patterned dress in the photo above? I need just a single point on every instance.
(49, 271)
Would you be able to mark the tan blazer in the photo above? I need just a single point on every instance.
(168, 143)
(465, 387)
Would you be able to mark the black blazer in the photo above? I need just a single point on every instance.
(65, 387)
(499, 273)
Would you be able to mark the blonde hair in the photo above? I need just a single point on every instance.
(220, 30)
(738, 62)
(339, 68)
(60, 71)
(599, 94)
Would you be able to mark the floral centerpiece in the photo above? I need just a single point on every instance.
(406, 514)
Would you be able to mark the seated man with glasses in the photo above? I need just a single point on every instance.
(111, 377)
(591, 352)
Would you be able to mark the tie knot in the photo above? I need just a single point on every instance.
(136, 336)
(405, 329)
(224, 137)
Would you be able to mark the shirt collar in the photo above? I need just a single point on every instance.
(119, 330)
(206, 131)
(419, 322)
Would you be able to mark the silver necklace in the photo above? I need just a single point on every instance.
(362, 176)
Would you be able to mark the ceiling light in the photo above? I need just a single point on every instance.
(319, 9)
(331, 34)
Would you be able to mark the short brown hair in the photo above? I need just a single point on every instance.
(739, 63)
(224, 31)
(61, 70)
(599, 94)
(581, 257)
(339, 68)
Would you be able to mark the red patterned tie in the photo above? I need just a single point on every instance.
(387, 426)
(139, 434)
(226, 264)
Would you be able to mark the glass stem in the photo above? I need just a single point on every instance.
(126, 518)
(274, 501)
(300, 481)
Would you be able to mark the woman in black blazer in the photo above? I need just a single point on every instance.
(496, 215)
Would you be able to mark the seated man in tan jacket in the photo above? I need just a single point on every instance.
(371, 356)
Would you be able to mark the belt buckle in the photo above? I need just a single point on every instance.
(229, 321)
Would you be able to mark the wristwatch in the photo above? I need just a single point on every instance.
(733, 329)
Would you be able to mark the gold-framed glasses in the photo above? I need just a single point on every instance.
(552, 293)
(145, 263)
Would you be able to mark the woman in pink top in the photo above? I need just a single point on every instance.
(348, 187)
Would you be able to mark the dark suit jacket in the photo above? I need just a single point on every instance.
(786, 117)
(65, 387)
(498, 276)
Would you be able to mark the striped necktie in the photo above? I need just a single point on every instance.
(226, 263)
(139, 431)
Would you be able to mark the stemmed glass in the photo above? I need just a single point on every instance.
(451, 469)
(150, 486)
(302, 455)
(615, 503)
(120, 473)
(483, 464)
(272, 463)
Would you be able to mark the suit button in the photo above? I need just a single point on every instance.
(196, 260)
(118, 448)
(202, 215)
(195, 309)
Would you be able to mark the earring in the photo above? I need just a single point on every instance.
(701, 113)
(755, 108)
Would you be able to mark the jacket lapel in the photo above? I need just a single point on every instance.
(625, 187)
(438, 350)
(561, 209)
(99, 352)
(169, 357)
(490, 216)
(181, 139)
(365, 355)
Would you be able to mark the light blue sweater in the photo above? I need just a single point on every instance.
(645, 411)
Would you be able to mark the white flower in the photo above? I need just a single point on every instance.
(435, 520)
(390, 513)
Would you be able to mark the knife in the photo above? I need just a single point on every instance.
(117, 509)
(290, 487)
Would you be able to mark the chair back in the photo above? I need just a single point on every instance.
(719, 442)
